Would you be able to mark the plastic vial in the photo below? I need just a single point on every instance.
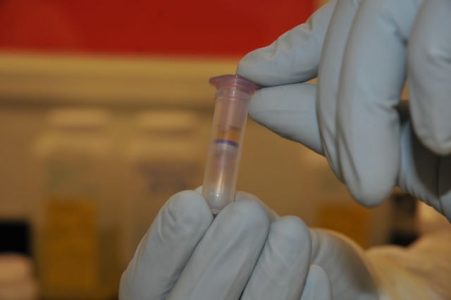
(162, 158)
(76, 232)
(229, 120)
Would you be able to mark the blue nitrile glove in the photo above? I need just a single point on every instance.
(359, 51)
(246, 252)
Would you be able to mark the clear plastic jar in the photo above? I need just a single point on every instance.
(75, 225)
(162, 158)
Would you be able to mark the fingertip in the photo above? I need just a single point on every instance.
(289, 111)
(273, 65)
(428, 58)
(370, 194)
(259, 102)
(188, 207)
(250, 211)
(246, 213)
(271, 213)
(435, 139)
(252, 67)
(293, 57)
(266, 109)
(294, 232)
(370, 171)
(242, 196)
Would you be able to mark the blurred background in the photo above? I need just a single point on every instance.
(105, 111)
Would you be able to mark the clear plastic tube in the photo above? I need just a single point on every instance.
(232, 99)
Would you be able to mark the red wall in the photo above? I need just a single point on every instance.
(196, 27)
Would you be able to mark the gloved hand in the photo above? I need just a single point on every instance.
(359, 50)
(245, 252)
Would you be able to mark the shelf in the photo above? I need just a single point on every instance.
(115, 80)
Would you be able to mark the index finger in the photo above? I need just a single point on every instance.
(293, 57)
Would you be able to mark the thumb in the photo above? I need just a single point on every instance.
(289, 111)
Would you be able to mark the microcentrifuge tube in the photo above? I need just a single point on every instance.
(229, 120)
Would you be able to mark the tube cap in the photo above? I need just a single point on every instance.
(233, 81)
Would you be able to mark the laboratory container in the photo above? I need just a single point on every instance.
(221, 171)
(162, 158)
(75, 222)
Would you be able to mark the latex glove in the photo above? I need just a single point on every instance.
(245, 252)
(359, 51)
